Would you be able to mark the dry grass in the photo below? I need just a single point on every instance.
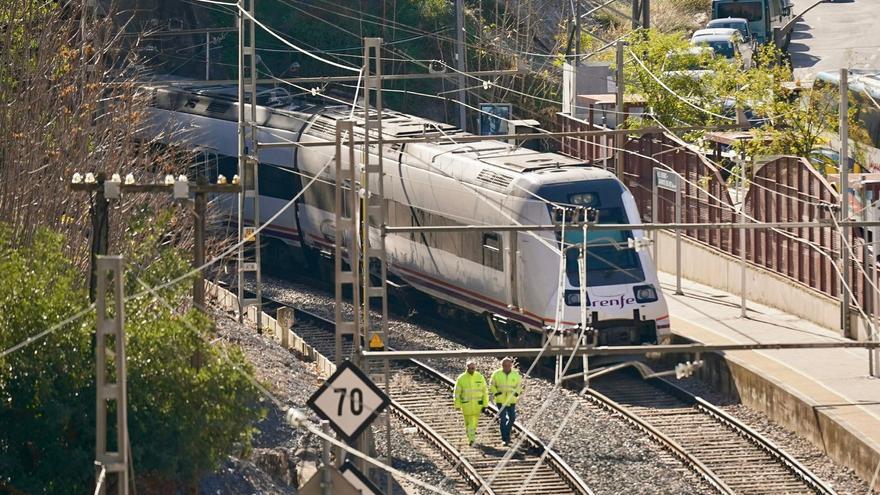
(70, 105)
(666, 15)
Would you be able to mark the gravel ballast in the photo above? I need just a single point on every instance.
(841, 478)
(280, 451)
(610, 455)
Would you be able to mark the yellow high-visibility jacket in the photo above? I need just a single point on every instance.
(505, 387)
(470, 394)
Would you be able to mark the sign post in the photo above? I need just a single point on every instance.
(669, 180)
(357, 479)
(349, 400)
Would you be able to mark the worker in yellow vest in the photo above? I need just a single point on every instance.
(471, 397)
(506, 387)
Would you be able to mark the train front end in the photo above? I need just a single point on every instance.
(624, 301)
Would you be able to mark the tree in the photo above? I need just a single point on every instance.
(788, 121)
(183, 418)
(685, 85)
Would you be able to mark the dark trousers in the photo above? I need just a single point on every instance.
(507, 416)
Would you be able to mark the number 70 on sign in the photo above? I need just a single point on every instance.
(349, 400)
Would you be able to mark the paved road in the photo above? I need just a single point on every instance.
(836, 35)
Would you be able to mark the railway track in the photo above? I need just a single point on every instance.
(415, 388)
(727, 454)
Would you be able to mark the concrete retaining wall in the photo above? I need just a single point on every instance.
(282, 333)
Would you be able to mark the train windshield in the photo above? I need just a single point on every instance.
(609, 260)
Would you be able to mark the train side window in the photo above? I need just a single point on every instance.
(492, 254)
(227, 166)
(277, 182)
(205, 164)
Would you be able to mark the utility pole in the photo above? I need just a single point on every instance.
(844, 201)
(200, 210)
(373, 210)
(461, 62)
(105, 190)
(207, 56)
(577, 41)
(641, 14)
(100, 232)
(620, 139)
(248, 261)
(111, 328)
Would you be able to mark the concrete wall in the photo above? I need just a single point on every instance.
(721, 271)
(281, 332)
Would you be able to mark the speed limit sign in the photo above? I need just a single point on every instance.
(349, 400)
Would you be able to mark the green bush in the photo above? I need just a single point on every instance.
(185, 415)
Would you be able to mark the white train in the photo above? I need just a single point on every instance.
(512, 278)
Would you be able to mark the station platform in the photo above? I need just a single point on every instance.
(825, 395)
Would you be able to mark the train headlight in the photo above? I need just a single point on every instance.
(645, 293)
(573, 298)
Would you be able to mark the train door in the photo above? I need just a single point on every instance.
(511, 260)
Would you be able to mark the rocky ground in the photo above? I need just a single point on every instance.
(609, 455)
(841, 478)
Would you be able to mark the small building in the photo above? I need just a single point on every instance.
(601, 109)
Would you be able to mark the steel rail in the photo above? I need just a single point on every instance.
(447, 450)
(735, 427)
(452, 454)
(468, 471)
(676, 448)
(556, 462)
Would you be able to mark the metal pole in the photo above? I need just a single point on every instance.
(200, 210)
(207, 56)
(620, 139)
(582, 274)
(678, 237)
(242, 155)
(577, 42)
(875, 299)
(866, 256)
(844, 200)
(255, 172)
(636, 13)
(655, 216)
(326, 476)
(875, 370)
(742, 262)
(107, 387)
(462, 63)
(248, 163)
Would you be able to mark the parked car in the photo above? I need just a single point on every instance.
(725, 42)
(694, 62)
(738, 23)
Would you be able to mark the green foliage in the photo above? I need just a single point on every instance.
(189, 405)
(46, 389)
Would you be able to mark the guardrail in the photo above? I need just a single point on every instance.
(787, 189)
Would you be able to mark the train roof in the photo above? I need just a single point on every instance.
(276, 107)
(502, 163)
